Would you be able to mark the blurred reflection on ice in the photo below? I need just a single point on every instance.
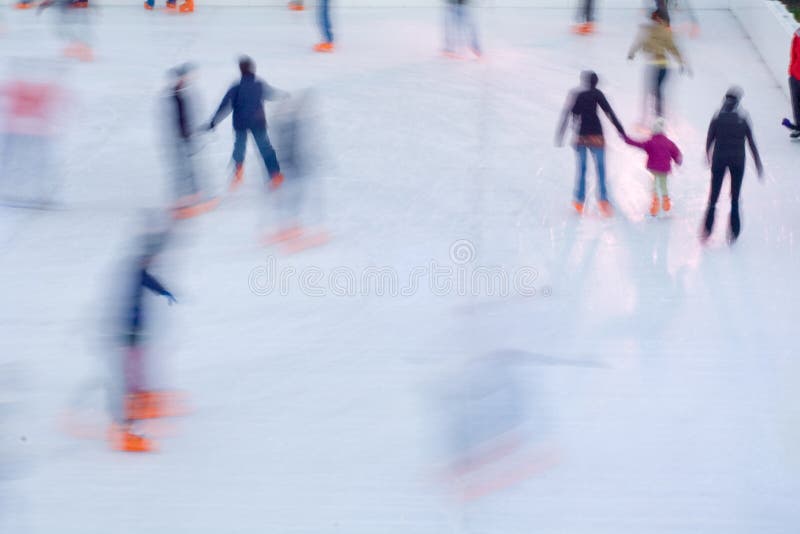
(30, 97)
(497, 429)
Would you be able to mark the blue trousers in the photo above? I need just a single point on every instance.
(264, 146)
(458, 25)
(599, 155)
(325, 20)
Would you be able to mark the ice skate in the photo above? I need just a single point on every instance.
(187, 6)
(285, 234)
(578, 206)
(194, 209)
(238, 178)
(79, 51)
(586, 28)
(666, 203)
(123, 439)
(323, 47)
(24, 5)
(275, 181)
(296, 6)
(153, 405)
(654, 206)
(605, 208)
(172, 7)
(148, 6)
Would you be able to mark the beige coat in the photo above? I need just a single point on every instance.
(657, 42)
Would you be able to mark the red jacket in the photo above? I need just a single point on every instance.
(794, 66)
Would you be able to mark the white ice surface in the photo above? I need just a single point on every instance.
(664, 375)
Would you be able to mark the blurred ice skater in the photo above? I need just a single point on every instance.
(73, 27)
(182, 132)
(582, 107)
(246, 100)
(657, 41)
(28, 105)
(586, 18)
(794, 86)
(186, 7)
(460, 27)
(324, 20)
(727, 133)
(296, 206)
(131, 397)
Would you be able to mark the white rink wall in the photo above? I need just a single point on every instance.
(770, 26)
(550, 4)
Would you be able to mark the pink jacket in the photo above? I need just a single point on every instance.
(660, 152)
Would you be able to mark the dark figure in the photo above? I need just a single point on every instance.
(794, 82)
(246, 100)
(727, 133)
(582, 108)
(132, 397)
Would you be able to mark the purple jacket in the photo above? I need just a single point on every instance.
(660, 152)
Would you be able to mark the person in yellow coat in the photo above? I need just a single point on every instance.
(657, 42)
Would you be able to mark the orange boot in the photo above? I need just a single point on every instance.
(24, 5)
(187, 6)
(578, 206)
(654, 206)
(123, 439)
(148, 6)
(238, 177)
(605, 208)
(296, 6)
(323, 47)
(275, 181)
(666, 203)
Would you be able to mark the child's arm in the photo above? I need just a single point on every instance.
(637, 144)
(676, 154)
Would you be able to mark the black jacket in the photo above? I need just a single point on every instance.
(727, 133)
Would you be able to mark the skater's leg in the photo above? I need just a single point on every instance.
(661, 184)
(737, 173)
(239, 147)
(471, 29)
(325, 21)
(717, 175)
(267, 152)
(658, 89)
(580, 179)
(588, 11)
(794, 89)
(449, 22)
(599, 155)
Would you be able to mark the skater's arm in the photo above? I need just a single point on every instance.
(606, 107)
(711, 137)
(224, 108)
(676, 154)
(564, 122)
(754, 150)
(273, 93)
(632, 142)
(183, 124)
(155, 286)
(637, 45)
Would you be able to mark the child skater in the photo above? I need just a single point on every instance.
(661, 152)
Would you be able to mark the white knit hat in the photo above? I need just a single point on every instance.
(658, 125)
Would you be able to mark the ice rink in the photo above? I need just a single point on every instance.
(649, 385)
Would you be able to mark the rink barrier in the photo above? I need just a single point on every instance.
(770, 27)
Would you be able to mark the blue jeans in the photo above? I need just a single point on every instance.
(262, 142)
(599, 155)
(458, 23)
(325, 20)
